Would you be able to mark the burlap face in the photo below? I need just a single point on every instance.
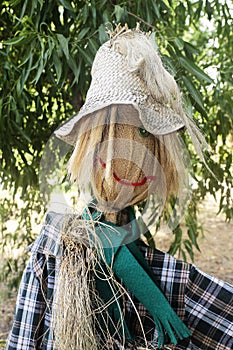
(125, 168)
(123, 165)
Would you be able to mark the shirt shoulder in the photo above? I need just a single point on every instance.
(49, 241)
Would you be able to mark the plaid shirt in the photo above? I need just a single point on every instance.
(203, 302)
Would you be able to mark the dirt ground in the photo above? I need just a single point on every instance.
(215, 258)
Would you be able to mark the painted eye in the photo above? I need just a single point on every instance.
(143, 132)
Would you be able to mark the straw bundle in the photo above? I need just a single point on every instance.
(77, 306)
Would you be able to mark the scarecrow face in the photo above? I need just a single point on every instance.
(124, 165)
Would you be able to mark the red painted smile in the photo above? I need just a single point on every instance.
(126, 182)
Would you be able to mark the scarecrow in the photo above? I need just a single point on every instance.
(92, 281)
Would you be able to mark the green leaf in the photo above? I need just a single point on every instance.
(57, 65)
(93, 10)
(82, 33)
(193, 237)
(189, 248)
(20, 130)
(106, 17)
(194, 92)
(119, 12)
(75, 69)
(191, 48)
(156, 9)
(64, 42)
(103, 36)
(14, 2)
(195, 70)
(149, 15)
(93, 46)
(14, 41)
(23, 8)
(41, 3)
(179, 43)
(40, 65)
(173, 248)
(67, 5)
(51, 44)
(85, 12)
(85, 56)
(183, 255)
(27, 56)
(25, 73)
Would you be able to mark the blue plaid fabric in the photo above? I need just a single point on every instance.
(203, 302)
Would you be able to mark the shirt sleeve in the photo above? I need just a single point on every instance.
(27, 328)
(209, 311)
(31, 329)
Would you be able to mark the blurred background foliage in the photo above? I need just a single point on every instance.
(46, 52)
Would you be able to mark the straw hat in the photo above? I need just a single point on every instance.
(128, 70)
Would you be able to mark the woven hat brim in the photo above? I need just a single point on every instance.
(157, 123)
